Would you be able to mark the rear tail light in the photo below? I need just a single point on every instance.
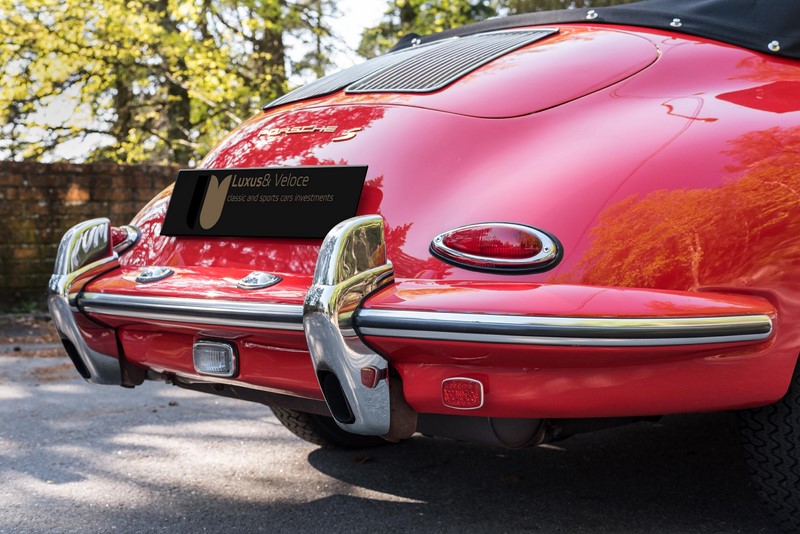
(509, 247)
(123, 237)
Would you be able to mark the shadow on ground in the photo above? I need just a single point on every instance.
(81, 458)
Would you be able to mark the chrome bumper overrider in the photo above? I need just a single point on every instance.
(84, 253)
(352, 264)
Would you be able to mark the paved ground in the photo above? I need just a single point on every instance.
(84, 459)
(29, 335)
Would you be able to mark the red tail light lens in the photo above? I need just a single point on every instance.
(123, 237)
(498, 247)
(494, 242)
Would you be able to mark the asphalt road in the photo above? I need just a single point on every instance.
(81, 458)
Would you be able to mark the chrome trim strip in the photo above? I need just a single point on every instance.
(552, 341)
(84, 253)
(195, 311)
(351, 264)
(181, 378)
(566, 331)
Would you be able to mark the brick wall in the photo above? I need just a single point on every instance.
(39, 202)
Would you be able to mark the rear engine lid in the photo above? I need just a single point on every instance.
(493, 75)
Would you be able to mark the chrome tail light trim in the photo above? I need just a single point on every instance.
(131, 238)
(549, 256)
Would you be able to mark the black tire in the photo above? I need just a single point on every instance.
(323, 431)
(771, 441)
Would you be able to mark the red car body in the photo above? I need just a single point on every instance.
(666, 166)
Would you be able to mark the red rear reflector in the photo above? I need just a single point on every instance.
(498, 247)
(370, 376)
(462, 393)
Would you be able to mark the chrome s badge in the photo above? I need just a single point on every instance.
(344, 135)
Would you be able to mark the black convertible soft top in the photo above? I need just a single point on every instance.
(769, 26)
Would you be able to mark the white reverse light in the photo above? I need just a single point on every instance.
(215, 358)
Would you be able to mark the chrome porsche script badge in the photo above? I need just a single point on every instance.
(344, 135)
(299, 130)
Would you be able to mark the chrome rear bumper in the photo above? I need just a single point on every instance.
(352, 265)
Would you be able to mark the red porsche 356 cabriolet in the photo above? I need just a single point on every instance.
(508, 233)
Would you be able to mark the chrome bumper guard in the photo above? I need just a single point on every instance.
(351, 264)
(85, 252)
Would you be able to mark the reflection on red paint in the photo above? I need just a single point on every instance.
(775, 97)
(689, 238)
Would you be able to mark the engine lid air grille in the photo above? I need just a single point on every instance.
(419, 69)
(436, 68)
(334, 82)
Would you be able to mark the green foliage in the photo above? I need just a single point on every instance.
(529, 6)
(424, 17)
(421, 17)
(314, 19)
(164, 79)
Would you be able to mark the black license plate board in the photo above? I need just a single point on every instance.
(300, 202)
